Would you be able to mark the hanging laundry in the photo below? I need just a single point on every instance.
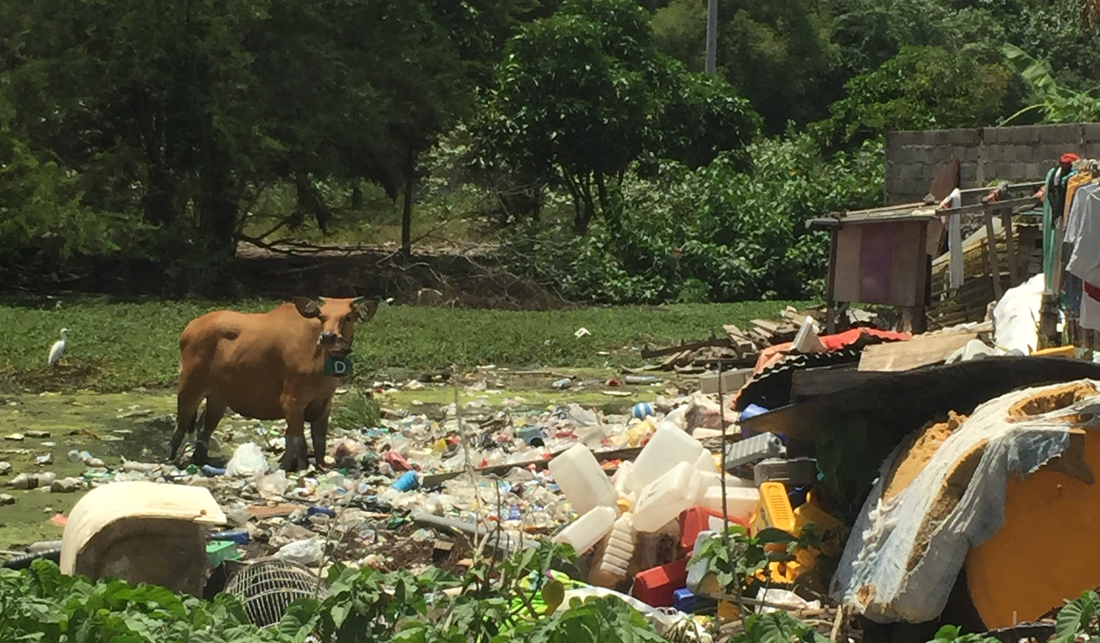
(1083, 234)
(1054, 203)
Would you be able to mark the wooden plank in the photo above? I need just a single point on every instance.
(274, 511)
(991, 242)
(810, 382)
(917, 352)
(648, 352)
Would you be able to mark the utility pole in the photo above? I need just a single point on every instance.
(712, 36)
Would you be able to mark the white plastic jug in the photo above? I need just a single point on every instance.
(667, 448)
(587, 530)
(622, 481)
(581, 479)
(617, 550)
(706, 463)
(740, 501)
(667, 497)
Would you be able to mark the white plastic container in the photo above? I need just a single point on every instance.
(740, 501)
(676, 417)
(705, 463)
(667, 497)
(611, 564)
(581, 479)
(622, 482)
(589, 529)
(667, 448)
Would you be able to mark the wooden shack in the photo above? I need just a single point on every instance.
(897, 256)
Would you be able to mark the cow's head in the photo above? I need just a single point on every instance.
(337, 317)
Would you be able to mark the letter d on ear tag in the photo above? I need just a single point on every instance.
(338, 366)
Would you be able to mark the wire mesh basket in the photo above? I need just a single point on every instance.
(268, 586)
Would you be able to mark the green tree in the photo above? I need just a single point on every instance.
(920, 88)
(1056, 103)
(578, 119)
(775, 54)
(183, 112)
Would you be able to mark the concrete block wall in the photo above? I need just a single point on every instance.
(1016, 154)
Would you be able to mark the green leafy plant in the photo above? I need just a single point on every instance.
(42, 604)
(951, 634)
(1078, 619)
(1056, 102)
(357, 410)
(778, 627)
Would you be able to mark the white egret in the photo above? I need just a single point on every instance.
(58, 347)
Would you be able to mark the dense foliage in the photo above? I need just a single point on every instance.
(508, 601)
(582, 131)
(716, 231)
(516, 600)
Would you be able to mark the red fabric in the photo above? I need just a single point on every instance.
(847, 338)
(1068, 158)
(1092, 291)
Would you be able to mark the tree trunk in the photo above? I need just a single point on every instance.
(217, 203)
(406, 216)
(584, 215)
(159, 189)
(607, 209)
(159, 193)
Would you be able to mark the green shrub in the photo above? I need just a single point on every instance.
(742, 235)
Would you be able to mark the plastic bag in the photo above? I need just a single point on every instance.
(248, 460)
(272, 486)
(308, 552)
(582, 416)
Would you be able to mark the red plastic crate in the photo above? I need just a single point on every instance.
(656, 586)
(697, 519)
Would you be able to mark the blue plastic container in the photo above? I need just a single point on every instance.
(210, 471)
(406, 482)
(529, 433)
(239, 536)
(752, 411)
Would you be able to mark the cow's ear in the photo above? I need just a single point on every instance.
(364, 308)
(307, 307)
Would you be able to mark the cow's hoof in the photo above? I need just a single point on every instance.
(295, 456)
(200, 455)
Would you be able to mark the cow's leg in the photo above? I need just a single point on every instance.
(187, 408)
(295, 454)
(215, 409)
(318, 431)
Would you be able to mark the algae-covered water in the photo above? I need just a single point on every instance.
(137, 426)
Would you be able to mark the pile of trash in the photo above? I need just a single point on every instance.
(631, 493)
(637, 493)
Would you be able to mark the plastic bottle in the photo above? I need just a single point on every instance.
(239, 536)
(582, 480)
(667, 448)
(664, 499)
(611, 564)
(405, 482)
(587, 530)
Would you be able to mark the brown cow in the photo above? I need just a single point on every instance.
(266, 366)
